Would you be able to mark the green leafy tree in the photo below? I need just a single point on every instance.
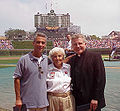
(94, 37)
(15, 33)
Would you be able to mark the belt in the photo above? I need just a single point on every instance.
(60, 94)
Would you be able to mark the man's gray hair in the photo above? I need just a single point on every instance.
(56, 49)
(76, 36)
(39, 34)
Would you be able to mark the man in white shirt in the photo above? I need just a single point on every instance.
(68, 49)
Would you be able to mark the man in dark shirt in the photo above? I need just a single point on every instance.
(88, 76)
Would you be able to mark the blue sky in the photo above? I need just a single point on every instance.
(98, 17)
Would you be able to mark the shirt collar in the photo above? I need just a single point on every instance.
(32, 58)
(82, 54)
(53, 67)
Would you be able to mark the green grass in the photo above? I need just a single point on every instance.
(22, 44)
(14, 61)
(10, 56)
(28, 44)
(105, 56)
(6, 66)
(9, 61)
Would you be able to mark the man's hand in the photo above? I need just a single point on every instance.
(93, 105)
(17, 92)
(68, 58)
(18, 103)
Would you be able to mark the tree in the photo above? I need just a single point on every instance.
(94, 37)
(14, 33)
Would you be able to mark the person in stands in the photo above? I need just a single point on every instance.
(68, 49)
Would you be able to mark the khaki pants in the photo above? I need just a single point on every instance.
(61, 103)
(37, 109)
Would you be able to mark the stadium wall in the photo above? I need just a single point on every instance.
(46, 51)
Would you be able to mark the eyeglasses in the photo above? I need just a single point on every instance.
(40, 69)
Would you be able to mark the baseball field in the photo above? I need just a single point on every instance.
(10, 61)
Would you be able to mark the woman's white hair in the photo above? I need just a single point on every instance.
(56, 49)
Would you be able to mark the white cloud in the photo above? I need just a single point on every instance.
(98, 17)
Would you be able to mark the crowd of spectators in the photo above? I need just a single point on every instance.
(60, 43)
(6, 44)
(106, 43)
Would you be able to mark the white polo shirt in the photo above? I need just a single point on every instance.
(58, 80)
(69, 45)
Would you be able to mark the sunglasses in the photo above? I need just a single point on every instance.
(40, 69)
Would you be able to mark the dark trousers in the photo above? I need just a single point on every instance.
(85, 107)
(88, 110)
(95, 110)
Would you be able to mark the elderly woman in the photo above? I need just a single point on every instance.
(58, 81)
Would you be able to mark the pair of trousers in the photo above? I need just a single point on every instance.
(89, 110)
(95, 110)
(37, 109)
(61, 103)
